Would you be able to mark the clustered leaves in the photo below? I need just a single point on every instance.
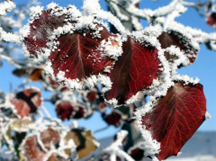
(88, 68)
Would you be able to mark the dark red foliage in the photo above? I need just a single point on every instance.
(113, 118)
(136, 153)
(40, 30)
(175, 117)
(79, 113)
(32, 150)
(78, 56)
(134, 70)
(27, 101)
(91, 96)
(211, 19)
(102, 107)
(64, 109)
(48, 137)
(170, 38)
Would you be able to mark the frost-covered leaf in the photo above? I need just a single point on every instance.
(79, 55)
(31, 150)
(91, 96)
(133, 71)
(44, 22)
(21, 125)
(171, 37)
(27, 101)
(67, 110)
(114, 118)
(64, 109)
(174, 118)
(211, 19)
(49, 137)
(84, 141)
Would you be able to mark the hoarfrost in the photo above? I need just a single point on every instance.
(6, 6)
(207, 116)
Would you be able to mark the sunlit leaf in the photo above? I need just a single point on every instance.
(175, 117)
(134, 70)
(78, 55)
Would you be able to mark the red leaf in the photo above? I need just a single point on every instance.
(27, 101)
(31, 150)
(91, 96)
(66, 110)
(113, 118)
(77, 54)
(48, 137)
(136, 153)
(40, 30)
(134, 70)
(211, 20)
(172, 37)
(175, 117)
(79, 113)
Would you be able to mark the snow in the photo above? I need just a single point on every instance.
(150, 145)
(35, 13)
(187, 80)
(6, 6)
(111, 47)
(91, 6)
(207, 116)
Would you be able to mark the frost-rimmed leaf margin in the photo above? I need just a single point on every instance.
(148, 35)
(106, 48)
(188, 36)
(71, 14)
(181, 60)
(152, 146)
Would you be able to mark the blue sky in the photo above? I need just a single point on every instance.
(204, 67)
